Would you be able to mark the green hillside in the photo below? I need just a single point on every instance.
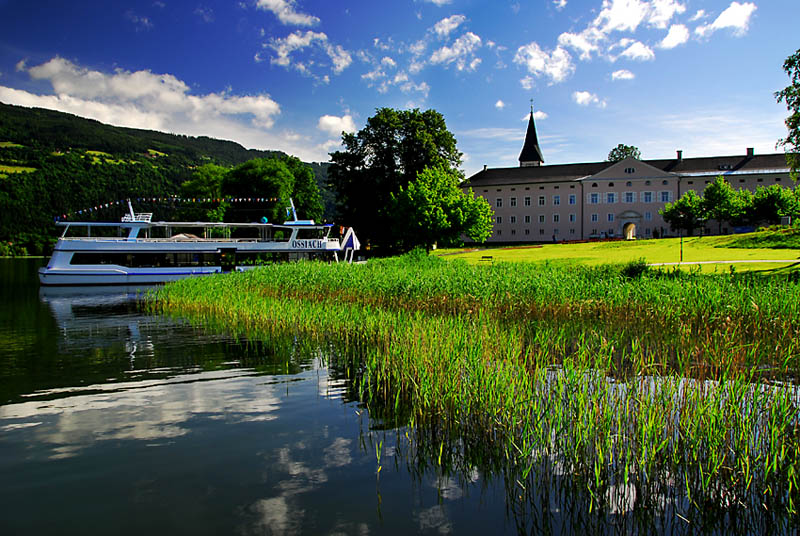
(53, 163)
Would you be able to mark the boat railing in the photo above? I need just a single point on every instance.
(139, 217)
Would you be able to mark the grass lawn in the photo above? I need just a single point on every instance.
(667, 250)
(16, 169)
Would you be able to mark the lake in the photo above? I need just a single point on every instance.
(116, 421)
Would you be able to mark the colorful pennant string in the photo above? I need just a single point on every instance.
(170, 199)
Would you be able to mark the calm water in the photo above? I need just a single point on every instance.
(114, 421)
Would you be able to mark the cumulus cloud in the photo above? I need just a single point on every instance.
(447, 25)
(584, 98)
(622, 74)
(499, 104)
(461, 53)
(287, 13)
(559, 4)
(440, 2)
(662, 12)
(148, 100)
(334, 125)
(678, 34)
(284, 48)
(556, 65)
(736, 17)
(639, 52)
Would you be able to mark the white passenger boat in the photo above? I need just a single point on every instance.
(138, 251)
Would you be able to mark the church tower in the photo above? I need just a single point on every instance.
(531, 154)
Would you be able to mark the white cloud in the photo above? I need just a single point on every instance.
(334, 125)
(621, 15)
(701, 14)
(286, 12)
(584, 98)
(736, 16)
(499, 105)
(440, 2)
(462, 49)
(538, 115)
(662, 12)
(284, 48)
(557, 65)
(527, 82)
(445, 26)
(584, 42)
(559, 4)
(622, 74)
(388, 62)
(639, 52)
(678, 34)
(162, 102)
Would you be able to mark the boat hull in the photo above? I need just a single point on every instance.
(118, 276)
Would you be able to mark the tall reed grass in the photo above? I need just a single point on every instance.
(676, 388)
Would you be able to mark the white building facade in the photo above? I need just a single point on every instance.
(539, 203)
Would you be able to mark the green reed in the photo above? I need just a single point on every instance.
(664, 383)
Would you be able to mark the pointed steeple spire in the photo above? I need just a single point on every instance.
(531, 154)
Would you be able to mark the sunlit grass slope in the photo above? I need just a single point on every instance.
(720, 249)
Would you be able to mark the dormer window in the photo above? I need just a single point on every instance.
(610, 184)
(629, 184)
(594, 185)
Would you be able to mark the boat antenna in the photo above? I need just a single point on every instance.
(130, 209)
(290, 210)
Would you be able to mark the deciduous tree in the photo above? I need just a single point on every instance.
(622, 151)
(686, 213)
(387, 154)
(433, 209)
(791, 96)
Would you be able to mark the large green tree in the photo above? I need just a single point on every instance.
(622, 151)
(380, 159)
(773, 202)
(722, 203)
(791, 96)
(686, 213)
(433, 209)
(306, 194)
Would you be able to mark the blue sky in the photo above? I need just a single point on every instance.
(695, 75)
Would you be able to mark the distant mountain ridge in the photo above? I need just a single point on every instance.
(52, 130)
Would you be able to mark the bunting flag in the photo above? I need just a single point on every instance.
(168, 199)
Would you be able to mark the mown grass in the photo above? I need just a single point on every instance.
(723, 250)
(674, 384)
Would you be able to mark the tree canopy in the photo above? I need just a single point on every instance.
(380, 159)
(622, 151)
(433, 209)
(791, 96)
(686, 213)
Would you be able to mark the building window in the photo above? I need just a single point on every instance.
(572, 199)
(611, 197)
(777, 179)
(647, 183)
(648, 216)
(513, 201)
(541, 200)
(647, 232)
(555, 231)
(498, 220)
(499, 232)
(630, 197)
(541, 231)
(528, 201)
(556, 199)
(513, 232)
(572, 231)
(513, 219)
(594, 217)
(572, 218)
(555, 218)
(594, 199)
(527, 231)
(527, 219)
(665, 197)
(629, 184)
(664, 183)
(630, 170)
(647, 197)
(498, 202)
(610, 217)
(541, 218)
(594, 185)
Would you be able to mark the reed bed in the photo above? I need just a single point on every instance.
(677, 389)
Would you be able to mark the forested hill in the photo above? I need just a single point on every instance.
(53, 163)
(57, 131)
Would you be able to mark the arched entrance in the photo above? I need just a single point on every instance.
(629, 231)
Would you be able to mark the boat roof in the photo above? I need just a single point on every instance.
(207, 224)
